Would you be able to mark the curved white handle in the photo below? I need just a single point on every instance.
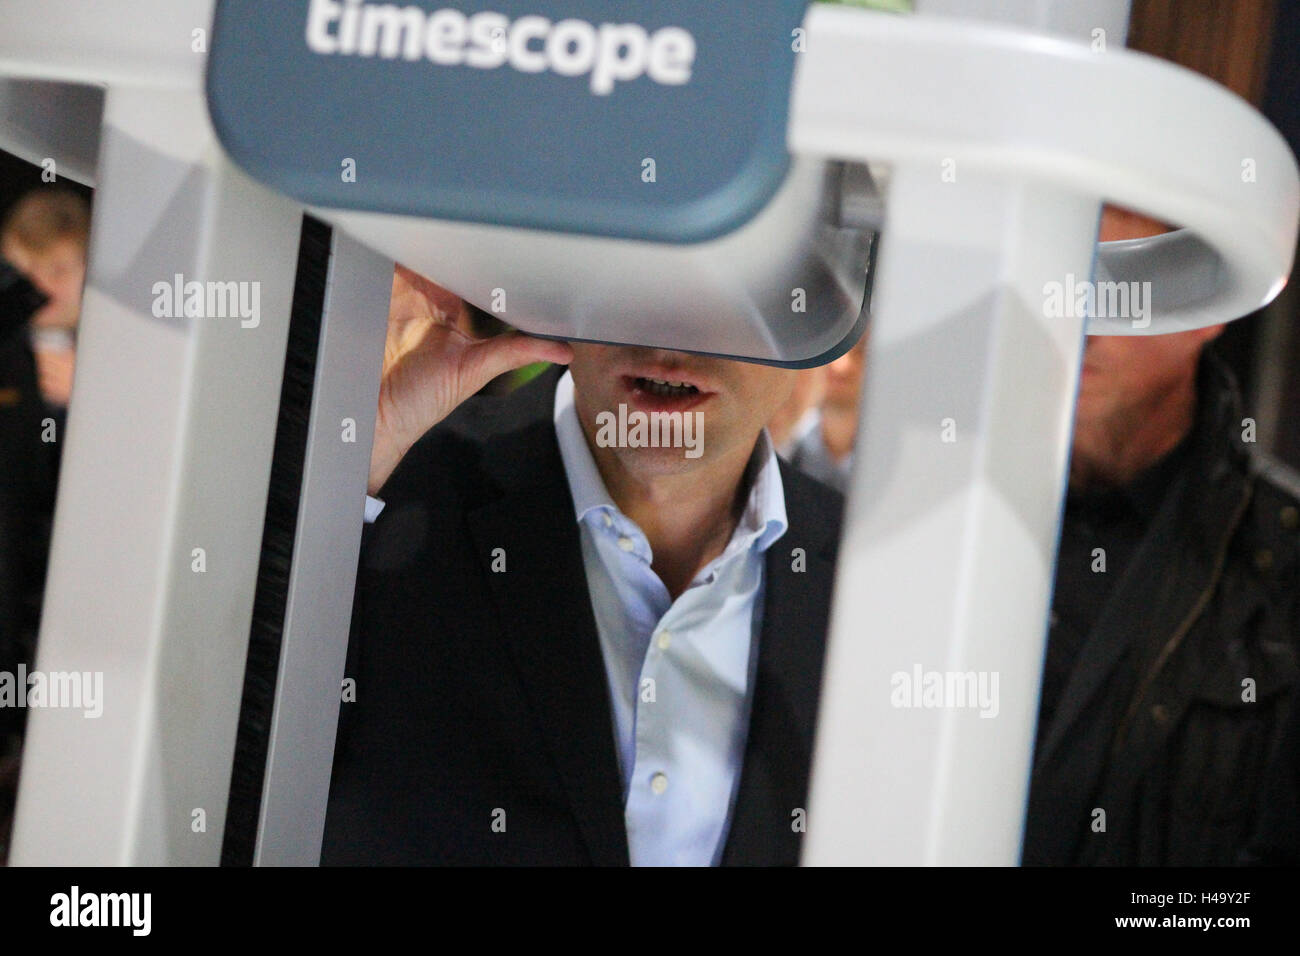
(1121, 126)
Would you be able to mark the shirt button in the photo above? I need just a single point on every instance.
(659, 782)
(626, 544)
(608, 520)
(665, 640)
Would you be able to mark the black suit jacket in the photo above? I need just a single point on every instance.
(482, 730)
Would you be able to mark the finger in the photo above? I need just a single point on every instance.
(492, 357)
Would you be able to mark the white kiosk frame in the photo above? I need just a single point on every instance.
(999, 165)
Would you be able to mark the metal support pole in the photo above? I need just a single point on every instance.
(318, 612)
(162, 495)
(946, 560)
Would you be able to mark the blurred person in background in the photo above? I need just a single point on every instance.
(45, 236)
(822, 443)
(43, 240)
(1172, 653)
(799, 413)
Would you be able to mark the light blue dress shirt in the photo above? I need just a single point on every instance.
(680, 672)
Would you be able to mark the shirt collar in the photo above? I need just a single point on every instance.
(585, 483)
(762, 522)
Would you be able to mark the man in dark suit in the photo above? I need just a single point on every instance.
(571, 646)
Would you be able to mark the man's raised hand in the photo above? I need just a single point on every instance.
(432, 363)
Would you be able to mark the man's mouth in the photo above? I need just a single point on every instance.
(663, 394)
(665, 388)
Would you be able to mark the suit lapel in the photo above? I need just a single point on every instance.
(545, 613)
(778, 752)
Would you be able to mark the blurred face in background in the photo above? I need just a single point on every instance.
(844, 378)
(808, 391)
(59, 271)
(1123, 375)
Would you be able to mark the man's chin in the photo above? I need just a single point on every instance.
(657, 462)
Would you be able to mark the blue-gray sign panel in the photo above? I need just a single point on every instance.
(535, 113)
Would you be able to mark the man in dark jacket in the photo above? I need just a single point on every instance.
(42, 238)
(572, 646)
(1172, 654)
(1172, 657)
